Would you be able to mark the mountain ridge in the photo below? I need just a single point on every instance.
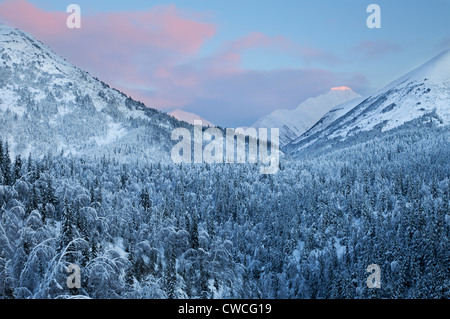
(189, 117)
(293, 123)
(423, 93)
(48, 104)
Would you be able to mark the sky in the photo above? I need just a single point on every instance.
(233, 62)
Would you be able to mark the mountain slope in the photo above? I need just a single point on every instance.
(49, 105)
(423, 94)
(332, 115)
(189, 118)
(293, 123)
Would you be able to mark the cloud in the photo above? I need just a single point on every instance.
(444, 44)
(376, 49)
(258, 39)
(24, 15)
(162, 27)
(154, 56)
(308, 54)
(134, 47)
(219, 89)
(262, 92)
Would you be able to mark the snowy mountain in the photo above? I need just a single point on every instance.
(421, 95)
(49, 105)
(293, 123)
(332, 115)
(189, 118)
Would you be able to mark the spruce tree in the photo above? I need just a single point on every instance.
(145, 201)
(17, 168)
(67, 224)
(194, 232)
(170, 276)
(6, 166)
(2, 159)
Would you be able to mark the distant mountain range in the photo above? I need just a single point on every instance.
(49, 105)
(421, 95)
(293, 123)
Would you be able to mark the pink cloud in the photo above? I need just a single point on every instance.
(258, 39)
(163, 27)
(375, 49)
(131, 46)
(153, 56)
(22, 14)
(282, 44)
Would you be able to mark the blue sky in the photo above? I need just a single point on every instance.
(253, 46)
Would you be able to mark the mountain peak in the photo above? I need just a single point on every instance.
(436, 70)
(50, 105)
(420, 95)
(341, 88)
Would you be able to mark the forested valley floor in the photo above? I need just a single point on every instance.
(141, 230)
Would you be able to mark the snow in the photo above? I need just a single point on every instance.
(49, 104)
(340, 249)
(115, 132)
(253, 232)
(422, 93)
(10, 101)
(436, 70)
(118, 247)
(330, 117)
(189, 117)
(293, 123)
